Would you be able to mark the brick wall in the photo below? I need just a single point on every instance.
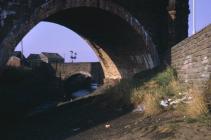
(192, 58)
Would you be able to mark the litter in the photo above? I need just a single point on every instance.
(164, 103)
(107, 126)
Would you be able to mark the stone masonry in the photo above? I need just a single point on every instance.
(128, 36)
(192, 58)
(65, 70)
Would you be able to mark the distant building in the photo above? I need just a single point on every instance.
(52, 57)
(34, 60)
(44, 57)
(18, 54)
(17, 59)
(14, 62)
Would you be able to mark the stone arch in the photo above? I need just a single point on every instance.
(79, 72)
(76, 81)
(114, 66)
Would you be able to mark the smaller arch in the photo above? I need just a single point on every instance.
(77, 81)
(87, 74)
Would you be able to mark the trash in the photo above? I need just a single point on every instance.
(184, 99)
(177, 101)
(169, 100)
(164, 103)
(157, 120)
(190, 98)
(107, 126)
(127, 126)
(76, 129)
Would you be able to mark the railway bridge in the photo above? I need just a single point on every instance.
(127, 36)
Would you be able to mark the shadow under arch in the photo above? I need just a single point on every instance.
(87, 74)
(118, 38)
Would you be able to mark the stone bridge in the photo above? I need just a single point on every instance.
(128, 36)
(65, 70)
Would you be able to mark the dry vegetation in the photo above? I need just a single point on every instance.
(197, 105)
(148, 92)
(151, 105)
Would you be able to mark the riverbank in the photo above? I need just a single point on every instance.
(88, 119)
(151, 108)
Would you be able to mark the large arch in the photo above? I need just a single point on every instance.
(117, 37)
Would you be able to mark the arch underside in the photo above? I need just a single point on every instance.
(118, 39)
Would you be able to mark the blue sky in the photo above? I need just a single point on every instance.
(202, 16)
(50, 37)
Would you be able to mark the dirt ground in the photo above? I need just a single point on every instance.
(86, 120)
(131, 127)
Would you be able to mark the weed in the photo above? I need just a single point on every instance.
(165, 77)
(151, 104)
(137, 97)
(190, 120)
(198, 105)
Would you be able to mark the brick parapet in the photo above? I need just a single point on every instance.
(192, 58)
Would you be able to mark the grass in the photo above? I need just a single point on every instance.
(151, 105)
(205, 119)
(208, 94)
(165, 77)
(120, 94)
(137, 97)
(161, 85)
(149, 89)
(197, 106)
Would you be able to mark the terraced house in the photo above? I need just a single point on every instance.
(44, 57)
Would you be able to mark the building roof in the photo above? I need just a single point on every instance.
(34, 56)
(53, 56)
(14, 62)
(18, 54)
